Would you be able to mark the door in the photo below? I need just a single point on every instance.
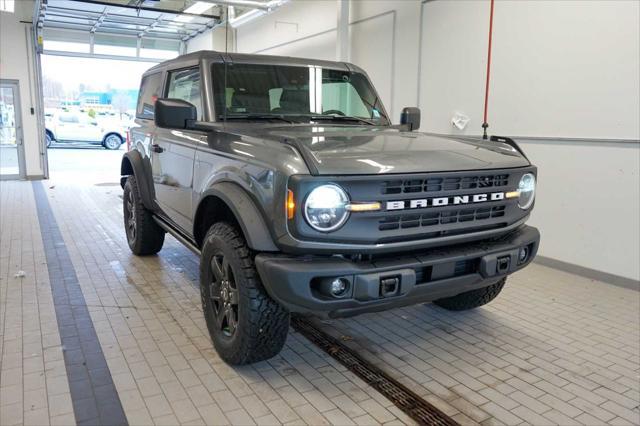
(68, 126)
(173, 152)
(73, 126)
(11, 139)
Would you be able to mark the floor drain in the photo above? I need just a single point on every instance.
(404, 398)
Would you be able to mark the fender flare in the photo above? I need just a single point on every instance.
(248, 215)
(133, 164)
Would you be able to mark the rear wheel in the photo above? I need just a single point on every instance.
(143, 233)
(245, 324)
(472, 299)
(112, 142)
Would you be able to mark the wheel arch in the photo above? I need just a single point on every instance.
(50, 133)
(226, 201)
(133, 164)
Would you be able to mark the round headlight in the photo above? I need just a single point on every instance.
(325, 208)
(527, 190)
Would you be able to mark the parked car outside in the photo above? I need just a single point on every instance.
(64, 127)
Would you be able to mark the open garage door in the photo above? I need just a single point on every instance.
(93, 55)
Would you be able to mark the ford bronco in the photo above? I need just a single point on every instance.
(287, 178)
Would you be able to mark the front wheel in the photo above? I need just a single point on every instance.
(472, 299)
(112, 142)
(48, 139)
(245, 324)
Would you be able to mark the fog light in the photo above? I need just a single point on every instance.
(339, 287)
(523, 254)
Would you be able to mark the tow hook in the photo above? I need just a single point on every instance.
(502, 265)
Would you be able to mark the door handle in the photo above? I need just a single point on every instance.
(157, 148)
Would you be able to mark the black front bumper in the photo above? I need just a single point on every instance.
(299, 283)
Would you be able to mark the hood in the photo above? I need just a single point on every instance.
(341, 150)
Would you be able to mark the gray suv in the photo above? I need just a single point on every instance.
(287, 178)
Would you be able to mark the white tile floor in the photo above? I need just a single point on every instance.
(554, 348)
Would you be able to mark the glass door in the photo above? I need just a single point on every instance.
(11, 148)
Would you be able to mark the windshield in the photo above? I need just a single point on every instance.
(294, 92)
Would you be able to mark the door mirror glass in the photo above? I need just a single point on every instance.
(410, 116)
(174, 114)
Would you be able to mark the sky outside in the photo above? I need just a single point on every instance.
(96, 74)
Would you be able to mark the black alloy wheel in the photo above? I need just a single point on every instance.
(224, 295)
(130, 211)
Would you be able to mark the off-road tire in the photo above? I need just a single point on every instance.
(472, 299)
(262, 324)
(148, 237)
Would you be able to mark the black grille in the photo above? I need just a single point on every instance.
(437, 184)
(440, 217)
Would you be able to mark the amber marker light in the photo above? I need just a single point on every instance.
(364, 207)
(291, 205)
(512, 194)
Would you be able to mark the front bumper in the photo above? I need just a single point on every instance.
(299, 282)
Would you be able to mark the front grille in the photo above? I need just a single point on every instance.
(414, 214)
(440, 217)
(437, 184)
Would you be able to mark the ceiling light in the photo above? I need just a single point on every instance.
(246, 17)
(198, 8)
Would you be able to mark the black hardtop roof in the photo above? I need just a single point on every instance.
(247, 58)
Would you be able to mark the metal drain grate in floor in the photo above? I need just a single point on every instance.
(404, 398)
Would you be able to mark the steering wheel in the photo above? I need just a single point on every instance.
(333, 111)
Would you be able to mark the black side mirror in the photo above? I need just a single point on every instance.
(174, 113)
(411, 117)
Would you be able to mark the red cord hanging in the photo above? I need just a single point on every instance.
(485, 124)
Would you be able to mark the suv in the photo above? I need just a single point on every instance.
(65, 126)
(288, 179)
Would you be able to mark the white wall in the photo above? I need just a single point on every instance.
(212, 40)
(16, 58)
(560, 70)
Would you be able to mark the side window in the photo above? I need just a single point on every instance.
(149, 92)
(68, 118)
(185, 85)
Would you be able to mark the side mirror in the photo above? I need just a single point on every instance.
(411, 117)
(174, 113)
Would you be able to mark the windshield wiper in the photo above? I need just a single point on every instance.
(341, 118)
(254, 117)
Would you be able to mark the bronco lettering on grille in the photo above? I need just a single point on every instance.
(444, 201)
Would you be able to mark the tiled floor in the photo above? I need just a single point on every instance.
(552, 349)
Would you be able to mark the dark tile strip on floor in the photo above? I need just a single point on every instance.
(93, 393)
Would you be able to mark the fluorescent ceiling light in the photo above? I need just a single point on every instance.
(246, 17)
(198, 8)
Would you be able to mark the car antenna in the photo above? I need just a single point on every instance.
(226, 53)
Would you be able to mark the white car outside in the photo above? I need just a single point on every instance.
(78, 127)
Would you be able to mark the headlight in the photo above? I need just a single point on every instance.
(527, 190)
(325, 208)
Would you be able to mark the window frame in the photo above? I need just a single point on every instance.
(209, 67)
(167, 85)
(139, 114)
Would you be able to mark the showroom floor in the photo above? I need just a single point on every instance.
(553, 349)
